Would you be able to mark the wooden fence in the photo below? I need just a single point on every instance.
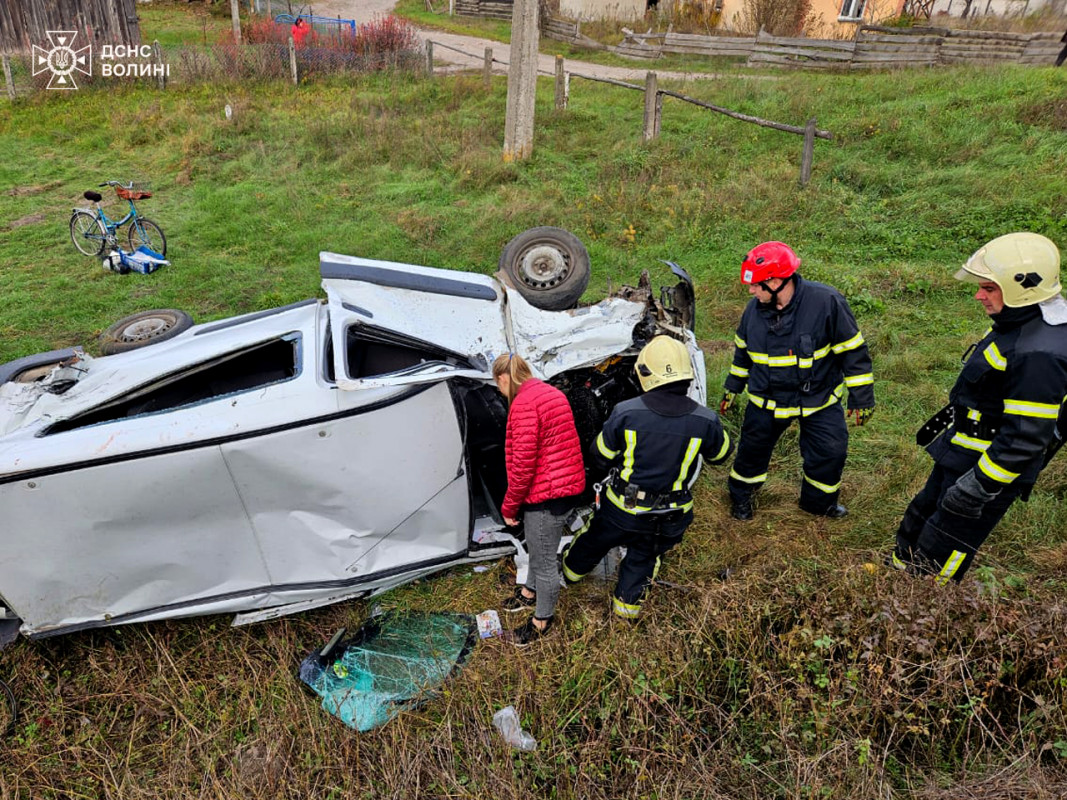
(25, 23)
(493, 9)
(873, 47)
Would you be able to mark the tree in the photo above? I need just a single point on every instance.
(778, 17)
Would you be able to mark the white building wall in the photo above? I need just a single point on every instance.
(586, 10)
(999, 8)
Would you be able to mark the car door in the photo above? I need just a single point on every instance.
(398, 334)
(456, 317)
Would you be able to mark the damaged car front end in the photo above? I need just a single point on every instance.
(291, 458)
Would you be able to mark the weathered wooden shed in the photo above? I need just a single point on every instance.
(25, 23)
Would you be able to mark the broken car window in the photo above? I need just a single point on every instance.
(253, 368)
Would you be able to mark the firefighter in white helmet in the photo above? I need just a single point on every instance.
(650, 447)
(1004, 417)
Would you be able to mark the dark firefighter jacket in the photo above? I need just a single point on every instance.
(799, 360)
(653, 440)
(1006, 400)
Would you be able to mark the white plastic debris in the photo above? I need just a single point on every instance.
(506, 720)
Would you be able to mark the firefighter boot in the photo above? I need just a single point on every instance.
(741, 509)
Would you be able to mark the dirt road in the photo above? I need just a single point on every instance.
(468, 52)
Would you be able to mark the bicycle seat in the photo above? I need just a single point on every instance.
(94, 197)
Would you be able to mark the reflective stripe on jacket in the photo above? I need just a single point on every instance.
(1007, 399)
(801, 358)
(657, 451)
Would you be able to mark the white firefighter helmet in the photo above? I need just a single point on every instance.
(1026, 267)
(661, 361)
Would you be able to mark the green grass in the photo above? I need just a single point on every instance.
(605, 32)
(804, 674)
(185, 25)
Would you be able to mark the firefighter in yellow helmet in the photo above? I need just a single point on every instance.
(1000, 425)
(650, 448)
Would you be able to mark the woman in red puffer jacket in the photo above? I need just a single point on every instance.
(545, 476)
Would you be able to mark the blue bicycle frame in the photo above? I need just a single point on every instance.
(113, 225)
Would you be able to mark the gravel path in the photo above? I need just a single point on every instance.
(472, 49)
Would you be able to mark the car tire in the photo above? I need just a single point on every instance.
(144, 329)
(548, 266)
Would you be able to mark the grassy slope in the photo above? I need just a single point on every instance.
(801, 676)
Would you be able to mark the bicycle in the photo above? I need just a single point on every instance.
(93, 231)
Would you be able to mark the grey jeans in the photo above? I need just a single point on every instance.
(543, 532)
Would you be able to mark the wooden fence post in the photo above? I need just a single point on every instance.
(809, 152)
(235, 16)
(487, 69)
(561, 85)
(429, 59)
(292, 61)
(157, 64)
(7, 76)
(653, 107)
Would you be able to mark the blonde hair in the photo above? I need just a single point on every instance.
(517, 370)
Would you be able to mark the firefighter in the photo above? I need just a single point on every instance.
(797, 348)
(1005, 416)
(652, 445)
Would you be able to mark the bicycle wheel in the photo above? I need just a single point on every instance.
(87, 233)
(145, 232)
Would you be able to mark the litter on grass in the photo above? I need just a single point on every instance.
(393, 663)
(143, 260)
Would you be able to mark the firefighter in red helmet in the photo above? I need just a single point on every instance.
(797, 349)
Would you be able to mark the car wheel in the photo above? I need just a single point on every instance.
(549, 267)
(141, 330)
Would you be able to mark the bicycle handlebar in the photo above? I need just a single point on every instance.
(116, 183)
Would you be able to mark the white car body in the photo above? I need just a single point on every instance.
(228, 470)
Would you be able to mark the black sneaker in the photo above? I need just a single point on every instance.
(529, 633)
(836, 511)
(741, 510)
(518, 601)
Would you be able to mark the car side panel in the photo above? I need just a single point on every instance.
(376, 490)
(105, 541)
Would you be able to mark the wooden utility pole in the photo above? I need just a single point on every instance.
(653, 107)
(235, 15)
(522, 82)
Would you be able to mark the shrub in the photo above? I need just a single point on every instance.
(778, 17)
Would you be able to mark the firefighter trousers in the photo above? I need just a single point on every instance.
(933, 540)
(823, 448)
(638, 568)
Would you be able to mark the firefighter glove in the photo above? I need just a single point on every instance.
(862, 415)
(727, 402)
(967, 497)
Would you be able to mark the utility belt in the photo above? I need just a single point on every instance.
(635, 500)
(957, 415)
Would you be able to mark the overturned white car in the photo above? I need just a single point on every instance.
(294, 457)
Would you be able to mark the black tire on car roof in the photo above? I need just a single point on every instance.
(549, 267)
(144, 329)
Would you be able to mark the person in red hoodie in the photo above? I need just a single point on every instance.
(300, 32)
(545, 476)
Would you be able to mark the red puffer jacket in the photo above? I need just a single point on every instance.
(543, 454)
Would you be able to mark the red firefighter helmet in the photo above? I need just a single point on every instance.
(768, 260)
